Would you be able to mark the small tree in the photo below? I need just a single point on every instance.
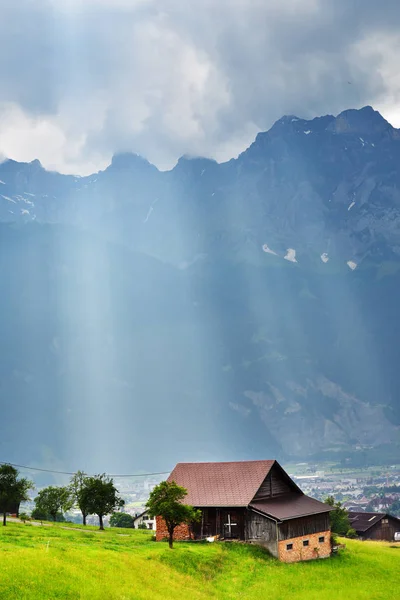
(13, 490)
(339, 517)
(120, 519)
(77, 484)
(166, 501)
(52, 501)
(100, 496)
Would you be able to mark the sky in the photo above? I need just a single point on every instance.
(84, 79)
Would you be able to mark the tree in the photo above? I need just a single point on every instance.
(13, 490)
(120, 519)
(339, 517)
(52, 501)
(100, 496)
(166, 501)
(77, 484)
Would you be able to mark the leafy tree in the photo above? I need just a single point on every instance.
(394, 508)
(100, 496)
(166, 501)
(120, 519)
(39, 515)
(13, 490)
(77, 484)
(52, 501)
(339, 517)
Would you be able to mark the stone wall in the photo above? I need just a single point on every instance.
(314, 549)
(181, 532)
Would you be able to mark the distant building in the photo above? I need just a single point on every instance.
(375, 526)
(254, 501)
(144, 518)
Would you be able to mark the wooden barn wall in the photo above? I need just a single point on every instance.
(383, 531)
(262, 530)
(303, 526)
(275, 484)
(225, 522)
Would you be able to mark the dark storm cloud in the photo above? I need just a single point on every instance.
(82, 80)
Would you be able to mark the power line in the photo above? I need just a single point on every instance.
(73, 473)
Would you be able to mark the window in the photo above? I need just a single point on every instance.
(385, 521)
(321, 539)
(289, 546)
(305, 542)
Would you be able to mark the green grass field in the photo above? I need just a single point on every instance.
(49, 562)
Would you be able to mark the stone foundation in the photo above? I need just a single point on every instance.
(314, 549)
(181, 532)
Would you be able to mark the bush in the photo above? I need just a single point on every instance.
(351, 533)
(334, 540)
(142, 526)
(120, 519)
(24, 517)
(40, 515)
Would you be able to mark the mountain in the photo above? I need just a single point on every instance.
(231, 310)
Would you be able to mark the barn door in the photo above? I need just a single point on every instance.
(230, 525)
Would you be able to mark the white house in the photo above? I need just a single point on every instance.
(144, 518)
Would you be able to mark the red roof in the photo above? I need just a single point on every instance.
(221, 483)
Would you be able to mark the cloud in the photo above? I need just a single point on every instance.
(81, 80)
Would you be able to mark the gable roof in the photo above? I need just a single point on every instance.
(141, 515)
(221, 483)
(291, 506)
(362, 521)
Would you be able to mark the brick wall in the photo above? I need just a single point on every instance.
(181, 532)
(315, 548)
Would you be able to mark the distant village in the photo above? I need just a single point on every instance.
(372, 489)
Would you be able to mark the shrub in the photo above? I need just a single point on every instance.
(120, 519)
(334, 540)
(351, 533)
(24, 517)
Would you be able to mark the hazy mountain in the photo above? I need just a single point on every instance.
(151, 316)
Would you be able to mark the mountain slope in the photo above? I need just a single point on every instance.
(164, 299)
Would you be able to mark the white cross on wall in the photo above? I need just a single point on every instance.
(229, 524)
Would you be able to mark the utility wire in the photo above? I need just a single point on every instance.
(73, 473)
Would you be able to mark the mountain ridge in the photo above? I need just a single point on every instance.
(250, 305)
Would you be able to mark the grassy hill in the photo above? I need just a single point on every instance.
(50, 562)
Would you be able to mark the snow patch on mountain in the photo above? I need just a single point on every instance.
(268, 250)
(351, 264)
(8, 198)
(291, 255)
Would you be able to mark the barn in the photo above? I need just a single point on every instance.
(252, 501)
(375, 526)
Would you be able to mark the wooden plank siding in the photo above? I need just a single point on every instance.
(382, 530)
(262, 530)
(275, 484)
(229, 523)
(303, 526)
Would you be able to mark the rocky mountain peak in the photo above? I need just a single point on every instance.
(364, 121)
(128, 160)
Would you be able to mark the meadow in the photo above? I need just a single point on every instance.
(52, 562)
